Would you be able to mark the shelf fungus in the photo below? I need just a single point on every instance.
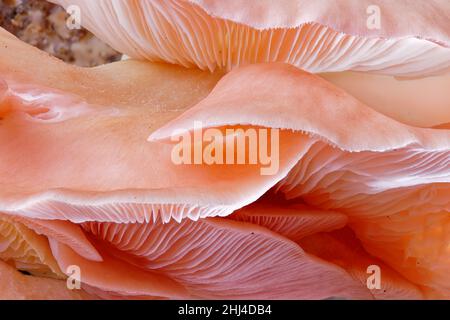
(93, 204)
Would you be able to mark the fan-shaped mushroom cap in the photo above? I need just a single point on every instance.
(221, 258)
(114, 122)
(86, 160)
(318, 36)
(357, 161)
(307, 227)
(211, 259)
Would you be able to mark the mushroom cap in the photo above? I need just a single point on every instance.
(319, 36)
(83, 156)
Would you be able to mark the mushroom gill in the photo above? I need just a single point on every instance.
(90, 168)
(319, 36)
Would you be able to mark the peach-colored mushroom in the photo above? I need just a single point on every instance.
(99, 163)
(317, 36)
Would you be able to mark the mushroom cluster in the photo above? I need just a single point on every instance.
(270, 149)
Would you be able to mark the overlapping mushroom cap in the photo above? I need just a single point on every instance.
(401, 38)
(86, 168)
